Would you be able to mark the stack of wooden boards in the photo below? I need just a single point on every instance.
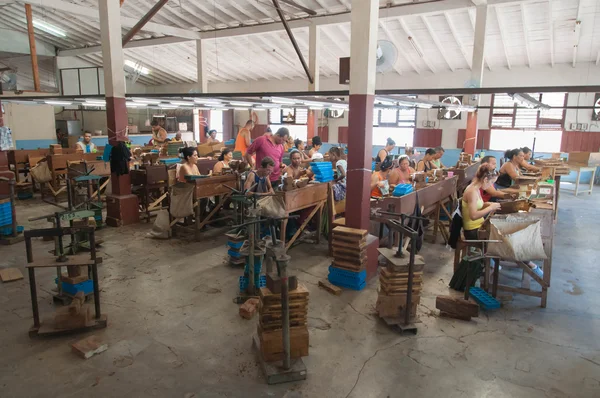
(554, 167)
(234, 245)
(349, 258)
(393, 285)
(270, 324)
(456, 307)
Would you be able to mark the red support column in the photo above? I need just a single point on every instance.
(360, 148)
(471, 133)
(311, 124)
(121, 204)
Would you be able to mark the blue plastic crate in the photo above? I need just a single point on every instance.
(86, 287)
(8, 230)
(234, 254)
(169, 161)
(235, 245)
(484, 300)
(262, 282)
(348, 279)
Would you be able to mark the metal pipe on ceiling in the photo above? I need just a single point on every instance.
(143, 21)
(293, 40)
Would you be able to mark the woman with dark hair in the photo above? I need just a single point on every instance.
(510, 170)
(426, 163)
(437, 159)
(341, 165)
(212, 137)
(401, 175)
(526, 159)
(189, 166)
(316, 145)
(473, 208)
(301, 146)
(379, 180)
(223, 161)
(385, 152)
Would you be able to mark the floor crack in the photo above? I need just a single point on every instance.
(367, 361)
(360, 313)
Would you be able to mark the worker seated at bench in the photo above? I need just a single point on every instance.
(401, 174)
(257, 181)
(341, 166)
(491, 194)
(87, 146)
(223, 161)
(511, 169)
(295, 169)
(189, 166)
(474, 209)
(525, 164)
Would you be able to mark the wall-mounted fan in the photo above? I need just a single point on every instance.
(8, 80)
(333, 113)
(449, 113)
(596, 111)
(387, 54)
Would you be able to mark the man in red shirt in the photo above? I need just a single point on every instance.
(271, 146)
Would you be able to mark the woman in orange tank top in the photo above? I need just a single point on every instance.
(379, 179)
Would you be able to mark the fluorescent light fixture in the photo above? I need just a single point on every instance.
(181, 103)
(415, 46)
(137, 67)
(207, 101)
(146, 101)
(270, 106)
(46, 27)
(60, 103)
(247, 104)
(279, 100)
(528, 101)
(94, 102)
(168, 106)
(135, 105)
(339, 106)
(315, 107)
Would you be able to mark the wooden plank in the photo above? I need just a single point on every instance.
(349, 245)
(47, 261)
(457, 306)
(341, 230)
(330, 287)
(307, 196)
(89, 347)
(301, 291)
(10, 274)
(348, 265)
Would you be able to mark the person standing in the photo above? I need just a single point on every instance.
(242, 140)
(385, 152)
(272, 147)
(87, 146)
(159, 135)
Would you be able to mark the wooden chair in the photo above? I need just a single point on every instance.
(151, 185)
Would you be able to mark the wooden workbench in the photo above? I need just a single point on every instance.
(431, 199)
(205, 188)
(18, 159)
(578, 169)
(313, 195)
(465, 176)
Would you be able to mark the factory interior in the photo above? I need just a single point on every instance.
(299, 198)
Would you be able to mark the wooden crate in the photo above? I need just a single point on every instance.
(271, 343)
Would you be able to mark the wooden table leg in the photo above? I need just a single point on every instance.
(319, 218)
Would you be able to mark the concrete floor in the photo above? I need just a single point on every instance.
(174, 331)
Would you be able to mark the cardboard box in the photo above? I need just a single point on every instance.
(584, 158)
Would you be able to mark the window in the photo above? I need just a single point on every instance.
(296, 131)
(402, 135)
(545, 140)
(506, 114)
(288, 116)
(216, 123)
(398, 124)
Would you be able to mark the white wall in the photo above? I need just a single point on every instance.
(30, 122)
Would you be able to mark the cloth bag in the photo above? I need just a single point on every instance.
(271, 206)
(182, 200)
(41, 172)
(521, 238)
